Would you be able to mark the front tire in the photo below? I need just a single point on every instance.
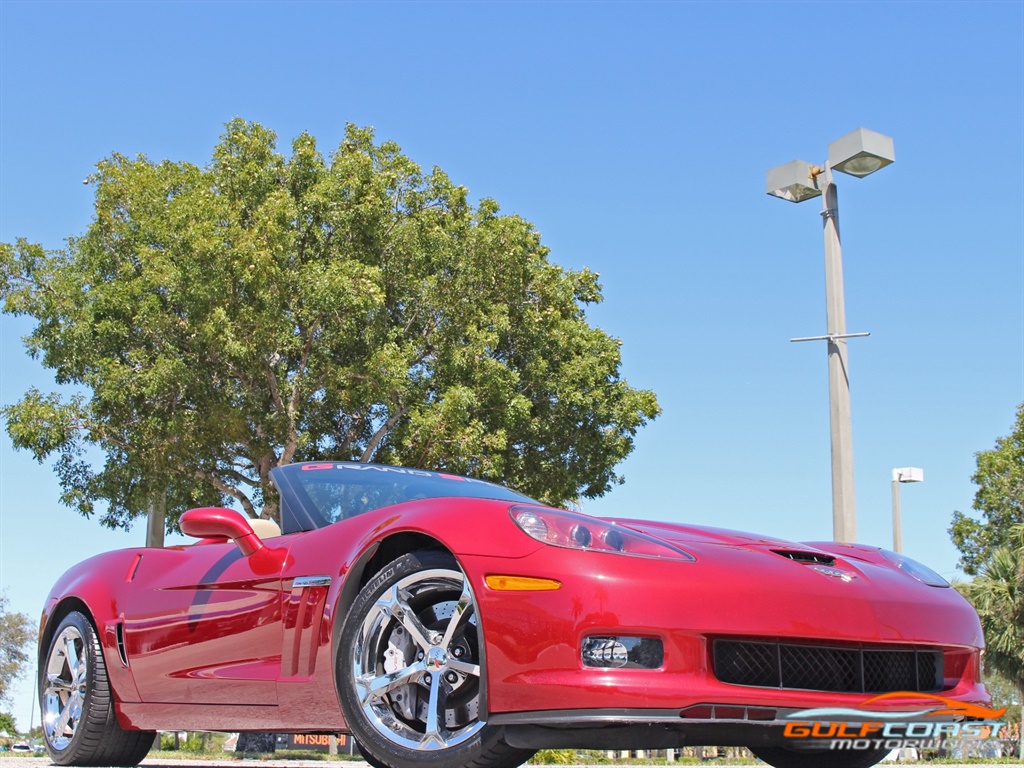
(408, 669)
(79, 725)
(783, 757)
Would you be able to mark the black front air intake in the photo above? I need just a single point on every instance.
(827, 668)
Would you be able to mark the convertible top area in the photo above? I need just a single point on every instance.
(314, 494)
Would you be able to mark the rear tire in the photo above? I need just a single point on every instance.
(783, 757)
(79, 725)
(408, 670)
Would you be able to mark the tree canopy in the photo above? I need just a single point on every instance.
(219, 321)
(997, 594)
(999, 499)
(7, 725)
(16, 634)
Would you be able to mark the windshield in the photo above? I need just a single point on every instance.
(317, 494)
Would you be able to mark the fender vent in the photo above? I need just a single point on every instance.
(122, 650)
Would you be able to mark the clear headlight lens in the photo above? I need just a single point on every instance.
(572, 530)
(922, 573)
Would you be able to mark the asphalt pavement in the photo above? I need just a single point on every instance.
(44, 762)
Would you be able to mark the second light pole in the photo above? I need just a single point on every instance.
(859, 153)
(903, 475)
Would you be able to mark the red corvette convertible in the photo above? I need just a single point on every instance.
(449, 622)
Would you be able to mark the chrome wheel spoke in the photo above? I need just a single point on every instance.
(461, 611)
(82, 673)
(465, 667)
(71, 654)
(55, 686)
(60, 728)
(394, 603)
(75, 705)
(432, 735)
(50, 727)
(378, 686)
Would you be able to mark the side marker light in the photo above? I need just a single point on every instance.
(521, 584)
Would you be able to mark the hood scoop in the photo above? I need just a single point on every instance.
(810, 558)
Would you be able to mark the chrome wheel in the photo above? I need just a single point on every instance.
(77, 703)
(64, 688)
(416, 662)
(409, 670)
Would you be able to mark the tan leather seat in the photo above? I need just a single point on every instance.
(265, 529)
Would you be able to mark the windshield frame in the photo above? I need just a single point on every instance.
(302, 489)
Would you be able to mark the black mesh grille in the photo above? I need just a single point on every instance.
(827, 668)
(747, 661)
(930, 670)
(890, 670)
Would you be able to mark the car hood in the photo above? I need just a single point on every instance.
(705, 535)
(705, 540)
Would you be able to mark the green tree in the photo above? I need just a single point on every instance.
(1005, 694)
(7, 726)
(16, 635)
(999, 499)
(997, 594)
(220, 321)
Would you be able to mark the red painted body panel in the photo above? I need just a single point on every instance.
(100, 585)
(204, 625)
(533, 639)
(218, 641)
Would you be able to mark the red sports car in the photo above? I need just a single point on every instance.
(448, 622)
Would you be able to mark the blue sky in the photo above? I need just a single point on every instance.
(636, 137)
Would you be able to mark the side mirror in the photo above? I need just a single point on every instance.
(220, 523)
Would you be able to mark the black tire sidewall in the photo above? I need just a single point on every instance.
(377, 750)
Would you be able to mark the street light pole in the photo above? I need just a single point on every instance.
(897, 523)
(904, 475)
(859, 153)
(844, 508)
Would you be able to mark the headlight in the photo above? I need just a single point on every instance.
(571, 530)
(922, 573)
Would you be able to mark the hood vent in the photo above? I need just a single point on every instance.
(811, 558)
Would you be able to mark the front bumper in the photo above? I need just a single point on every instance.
(633, 729)
(533, 640)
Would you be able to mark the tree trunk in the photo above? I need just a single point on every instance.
(156, 521)
(255, 742)
(1020, 733)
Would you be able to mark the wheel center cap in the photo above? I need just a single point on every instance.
(437, 657)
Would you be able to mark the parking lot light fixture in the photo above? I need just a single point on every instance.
(858, 153)
(795, 181)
